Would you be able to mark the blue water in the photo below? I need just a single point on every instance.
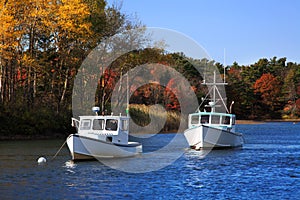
(267, 167)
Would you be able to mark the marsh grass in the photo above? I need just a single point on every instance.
(142, 114)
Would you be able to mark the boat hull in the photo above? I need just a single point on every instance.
(202, 137)
(84, 148)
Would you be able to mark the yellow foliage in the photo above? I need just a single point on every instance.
(62, 17)
(23, 22)
(71, 16)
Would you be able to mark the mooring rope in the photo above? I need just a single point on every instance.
(59, 150)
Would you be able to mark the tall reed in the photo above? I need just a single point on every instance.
(142, 114)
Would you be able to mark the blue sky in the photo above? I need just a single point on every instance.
(247, 29)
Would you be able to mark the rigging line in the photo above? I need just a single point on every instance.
(222, 100)
(205, 98)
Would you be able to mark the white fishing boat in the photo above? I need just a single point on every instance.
(211, 129)
(101, 137)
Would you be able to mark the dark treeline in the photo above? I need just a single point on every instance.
(43, 44)
(267, 89)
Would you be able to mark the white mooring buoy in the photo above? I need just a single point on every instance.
(41, 160)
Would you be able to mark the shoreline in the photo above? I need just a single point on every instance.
(249, 122)
(33, 137)
(265, 121)
(64, 136)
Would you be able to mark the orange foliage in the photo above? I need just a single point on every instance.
(171, 94)
(109, 79)
(269, 88)
(298, 103)
(234, 72)
(298, 90)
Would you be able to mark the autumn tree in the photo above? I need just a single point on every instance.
(269, 89)
(42, 45)
(9, 46)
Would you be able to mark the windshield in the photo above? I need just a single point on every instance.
(98, 124)
(111, 124)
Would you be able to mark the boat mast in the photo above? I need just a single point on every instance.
(213, 107)
(224, 66)
(215, 91)
(103, 93)
(127, 94)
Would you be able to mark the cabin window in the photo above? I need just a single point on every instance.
(233, 120)
(98, 124)
(215, 119)
(85, 124)
(111, 124)
(195, 119)
(124, 125)
(204, 119)
(226, 120)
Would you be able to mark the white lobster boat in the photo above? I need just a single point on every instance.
(101, 137)
(213, 129)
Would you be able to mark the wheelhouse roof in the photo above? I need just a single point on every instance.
(213, 113)
(102, 117)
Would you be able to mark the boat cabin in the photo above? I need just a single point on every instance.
(212, 119)
(107, 128)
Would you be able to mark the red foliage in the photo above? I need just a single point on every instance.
(298, 90)
(234, 72)
(269, 88)
(171, 94)
(109, 79)
(298, 103)
(164, 63)
(21, 76)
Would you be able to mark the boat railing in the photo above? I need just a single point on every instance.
(75, 123)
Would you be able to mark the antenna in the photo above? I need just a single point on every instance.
(224, 63)
(204, 78)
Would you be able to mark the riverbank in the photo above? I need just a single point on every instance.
(33, 137)
(249, 122)
(50, 135)
(266, 121)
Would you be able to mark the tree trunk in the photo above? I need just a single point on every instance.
(1, 91)
(62, 98)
